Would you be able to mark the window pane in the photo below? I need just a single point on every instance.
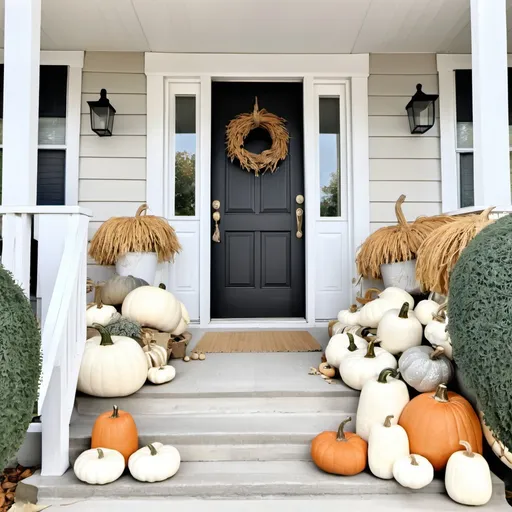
(52, 130)
(51, 177)
(467, 190)
(329, 151)
(185, 156)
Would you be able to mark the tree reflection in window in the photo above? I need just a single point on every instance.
(185, 193)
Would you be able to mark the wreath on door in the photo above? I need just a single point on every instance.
(239, 128)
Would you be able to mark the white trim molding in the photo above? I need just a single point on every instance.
(348, 72)
(447, 64)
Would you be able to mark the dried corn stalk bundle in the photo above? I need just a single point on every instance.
(440, 251)
(392, 244)
(240, 127)
(142, 233)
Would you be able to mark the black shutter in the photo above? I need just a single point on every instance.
(51, 177)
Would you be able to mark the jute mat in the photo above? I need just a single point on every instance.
(258, 341)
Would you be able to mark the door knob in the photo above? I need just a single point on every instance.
(299, 199)
(299, 215)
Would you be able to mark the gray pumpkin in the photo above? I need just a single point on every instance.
(115, 290)
(424, 368)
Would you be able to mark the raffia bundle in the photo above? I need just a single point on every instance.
(392, 244)
(240, 127)
(440, 251)
(142, 233)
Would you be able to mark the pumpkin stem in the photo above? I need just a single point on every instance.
(370, 352)
(353, 308)
(101, 455)
(440, 315)
(97, 295)
(115, 412)
(387, 421)
(384, 374)
(441, 394)
(351, 344)
(142, 208)
(436, 353)
(400, 217)
(341, 434)
(152, 449)
(469, 451)
(414, 462)
(162, 286)
(404, 311)
(106, 339)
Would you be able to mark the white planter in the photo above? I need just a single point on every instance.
(402, 275)
(138, 264)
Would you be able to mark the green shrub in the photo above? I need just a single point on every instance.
(20, 366)
(480, 323)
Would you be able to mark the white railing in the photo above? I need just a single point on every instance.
(61, 233)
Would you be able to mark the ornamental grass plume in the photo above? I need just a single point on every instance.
(440, 251)
(393, 244)
(142, 233)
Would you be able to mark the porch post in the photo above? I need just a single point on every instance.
(490, 100)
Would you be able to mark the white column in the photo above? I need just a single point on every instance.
(490, 100)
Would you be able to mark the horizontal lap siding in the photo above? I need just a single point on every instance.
(113, 169)
(401, 163)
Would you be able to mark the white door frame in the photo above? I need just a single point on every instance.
(310, 69)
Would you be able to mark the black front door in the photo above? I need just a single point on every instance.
(258, 267)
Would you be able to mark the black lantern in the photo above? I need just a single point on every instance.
(421, 111)
(102, 115)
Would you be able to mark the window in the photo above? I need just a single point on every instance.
(185, 141)
(464, 144)
(329, 154)
(51, 164)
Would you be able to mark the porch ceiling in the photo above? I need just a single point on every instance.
(258, 26)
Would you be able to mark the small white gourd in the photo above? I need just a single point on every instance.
(340, 345)
(184, 321)
(413, 471)
(426, 309)
(397, 296)
(360, 366)
(380, 396)
(349, 316)
(99, 466)
(386, 444)
(372, 312)
(156, 355)
(399, 330)
(162, 374)
(436, 332)
(154, 462)
(468, 478)
(97, 312)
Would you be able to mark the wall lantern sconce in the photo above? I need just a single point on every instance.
(102, 115)
(421, 111)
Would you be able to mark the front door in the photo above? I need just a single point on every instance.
(257, 269)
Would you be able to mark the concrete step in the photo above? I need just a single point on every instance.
(249, 437)
(234, 480)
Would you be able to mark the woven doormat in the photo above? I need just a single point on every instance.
(258, 341)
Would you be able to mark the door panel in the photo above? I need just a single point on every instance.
(258, 268)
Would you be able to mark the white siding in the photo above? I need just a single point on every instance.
(113, 169)
(401, 163)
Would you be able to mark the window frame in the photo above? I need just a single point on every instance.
(447, 64)
(74, 60)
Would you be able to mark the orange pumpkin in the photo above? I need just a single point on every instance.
(116, 430)
(340, 453)
(435, 423)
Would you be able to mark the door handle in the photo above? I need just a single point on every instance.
(216, 233)
(299, 215)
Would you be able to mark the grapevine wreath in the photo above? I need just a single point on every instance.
(240, 127)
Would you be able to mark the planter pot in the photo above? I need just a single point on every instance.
(402, 275)
(138, 264)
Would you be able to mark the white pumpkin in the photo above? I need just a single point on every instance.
(468, 478)
(424, 368)
(380, 396)
(437, 335)
(499, 449)
(100, 314)
(184, 321)
(425, 310)
(372, 312)
(342, 344)
(397, 296)
(399, 330)
(360, 366)
(162, 374)
(154, 463)
(349, 316)
(111, 366)
(99, 466)
(153, 306)
(413, 471)
(386, 444)
(156, 355)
